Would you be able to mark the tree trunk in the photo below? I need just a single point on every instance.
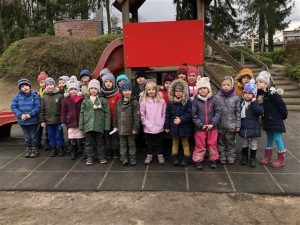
(107, 6)
(262, 31)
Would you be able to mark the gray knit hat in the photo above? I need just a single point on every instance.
(49, 80)
(94, 84)
(22, 82)
(110, 77)
(64, 78)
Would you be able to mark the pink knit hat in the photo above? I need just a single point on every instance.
(192, 69)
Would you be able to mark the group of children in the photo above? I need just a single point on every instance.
(108, 117)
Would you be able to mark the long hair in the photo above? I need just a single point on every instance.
(151, 83)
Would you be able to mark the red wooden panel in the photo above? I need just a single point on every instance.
(164, 43)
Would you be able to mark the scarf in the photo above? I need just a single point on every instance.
(245, 106)
(75, 98)
(203, 98)
(109, 92)
(227, 94)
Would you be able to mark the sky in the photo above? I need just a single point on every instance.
(165, 10)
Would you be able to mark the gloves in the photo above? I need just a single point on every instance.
(113, 131)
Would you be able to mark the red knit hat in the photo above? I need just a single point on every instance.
(193, 69)
(182, 70)
(42, 76)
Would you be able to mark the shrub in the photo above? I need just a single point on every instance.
(292, 72)
(276, 56)
(265, 60)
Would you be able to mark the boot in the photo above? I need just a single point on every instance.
(161, 159)
(213, 164)
(108, 153)
(280, 160)
(27, 152)
(34, 152)
(175, 160)
(124, 160)
(268, 156)
(185, 161)
(61, 151)
(69, 150)
(199, 165)
(89, 161)
(73, 150)
(116, 153)
(132, 160)
(53, 152)
(252, 162)
(244, 160)
(148, 159)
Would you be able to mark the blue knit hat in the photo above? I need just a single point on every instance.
(122, 77)
(125, 85)
(84, 73)
(23, 81)
(251, 88)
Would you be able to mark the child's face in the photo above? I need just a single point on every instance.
(50, 87)
(108, 84)
(73, 91)
(127, 93)
(248, 96)
(42, 84)
(182, 76)
(151, 91)
(226, 85)
(261, 85)
(61, 84)
(167, 84)
(203, 91)
(120, 83)
(192, 77)
(93, 91)
(141, 80)
(85, 79)
(178, 93)
(25, 88)
(245, 79)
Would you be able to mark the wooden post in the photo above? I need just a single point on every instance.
(200, 16)
(135, 17)
(125, 18)
(242, 59)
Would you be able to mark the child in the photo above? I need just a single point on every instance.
(206, 116)
(230, 122)
(50, 117)
(41, 81)
(70, 113)
(62, 84)
(103, 72)
(182, 72)
(178, 120)
(168, 79)
(26, 105)
(140, 84)
(84, 79)
(275, 112)
(244, 76)
(250, 129)
(121, 79)
(110, 91)
(192, 75)
(127, 123)
(153, 110)
(94, 122)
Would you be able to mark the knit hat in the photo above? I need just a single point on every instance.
(94, 84)
(251, 88)
(182, 70)
(264, 76)
(73, 83)
(84, 73)
(104, 71)
(42, 76)
(49, 80)
(140, 73)
(110, 77)
(125, 85)
(192, 69)
(203, 82)
(168, 77)
(122, 77)
(22, 82)
(64, 78)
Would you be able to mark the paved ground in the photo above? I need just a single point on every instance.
(62, 174)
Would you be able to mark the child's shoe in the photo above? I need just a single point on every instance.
(61, 151)
(268, 156)
(124, 160)
(230, 161)
(245, 153)
(185, 161)
(132, 160)
(223, 161)
(115, 153)
(280, 160)
(175, 160)
(27, 152)
(34, 152)
(53, 152)
(199, 165)
(213, 164)
(252, 162)
(89, 161)
(161, 159)
(103, 161)
(148, 159)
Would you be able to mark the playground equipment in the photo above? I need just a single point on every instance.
(7, 119)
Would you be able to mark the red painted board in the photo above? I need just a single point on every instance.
(164, 43)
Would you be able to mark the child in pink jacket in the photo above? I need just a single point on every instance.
(153, 110)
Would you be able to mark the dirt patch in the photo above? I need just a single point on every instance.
(146, 208)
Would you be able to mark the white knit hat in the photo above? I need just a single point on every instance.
(203, 82)
(73, 83)
(264, 76)
(94, 84)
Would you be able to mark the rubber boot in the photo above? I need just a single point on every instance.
(27, 152)
(108, 153)
(132, 160)
(82, 148)
(69, 150)
(268, 156)
(175, 160)
(34, 152)
(73, 149)
(61, 151)
(252, 161)
(280, 160)
(115, 153)
(53, 152)
(244, 160)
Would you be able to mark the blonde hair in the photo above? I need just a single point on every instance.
(151, 83)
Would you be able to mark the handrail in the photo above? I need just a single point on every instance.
(214, 78)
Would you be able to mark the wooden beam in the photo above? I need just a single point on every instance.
(200, 9)
(125, 19)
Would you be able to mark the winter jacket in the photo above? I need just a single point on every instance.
(275, 112)
(153, 115)
(250, 124)
(51, 107)
(165, 94)
(127, 117)
(192, 89)
(94, 119)
(231, 111)
(206, 112)
(112, 96)
(136, 91)
(70, 112)
(26, 104)
(239, 87)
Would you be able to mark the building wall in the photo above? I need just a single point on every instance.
(77, 28)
